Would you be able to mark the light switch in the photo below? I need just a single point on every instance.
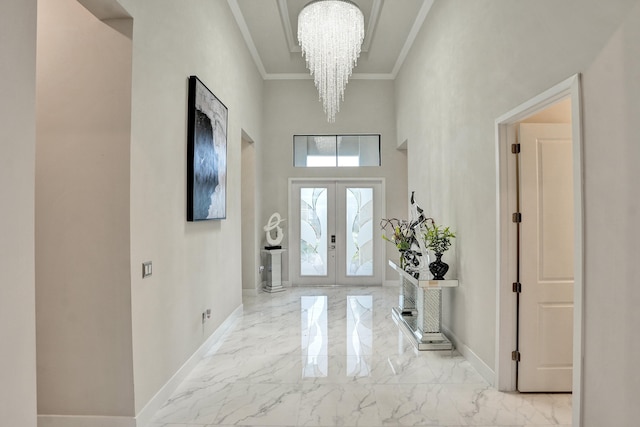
(146, 269)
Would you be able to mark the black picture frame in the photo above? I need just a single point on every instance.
(207, 120)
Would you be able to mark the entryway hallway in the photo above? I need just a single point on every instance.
(333, 356)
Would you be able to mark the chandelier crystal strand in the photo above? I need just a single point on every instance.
(330, 33)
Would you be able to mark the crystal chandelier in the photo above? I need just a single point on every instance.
(330, 33)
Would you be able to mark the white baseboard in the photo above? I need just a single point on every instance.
(478, 364)
(144, 417)
(210, 345)
(250, 292)
(285, 284)
(84, 421)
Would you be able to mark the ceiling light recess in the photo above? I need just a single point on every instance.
(330, 33)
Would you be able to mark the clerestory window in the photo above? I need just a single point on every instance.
(311, 151)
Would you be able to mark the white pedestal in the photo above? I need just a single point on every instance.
(274, 270)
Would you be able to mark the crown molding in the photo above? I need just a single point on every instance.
(283, 8)
(308, 76)
(242, 24)
(417, 24)
(373, 24)
(288, 76)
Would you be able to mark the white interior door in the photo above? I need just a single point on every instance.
(334, 239)
(546, 259)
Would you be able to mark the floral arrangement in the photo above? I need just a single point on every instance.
(438, 238)
(402, 234)
(405, 235)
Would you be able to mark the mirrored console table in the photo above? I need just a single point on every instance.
(274, 270)
(419, 313)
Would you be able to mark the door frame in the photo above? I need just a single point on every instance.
(505, 368)
(251, 280)
(291, 256)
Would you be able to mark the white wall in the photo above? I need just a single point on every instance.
(291, 107)
(250, 235)
(17, 171)
(612, 214)
(472, 62)
(82, 214)
(195, 265)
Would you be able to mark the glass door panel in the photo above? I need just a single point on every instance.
(312, 255)
(359, 224)
(313, 231)
(359, 247)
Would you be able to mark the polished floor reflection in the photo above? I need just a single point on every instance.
(333, 357)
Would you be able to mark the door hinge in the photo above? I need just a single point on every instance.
(517, 287)
(516, 217)
(515, 148)
(515, 356)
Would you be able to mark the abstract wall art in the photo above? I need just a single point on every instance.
(206, 154)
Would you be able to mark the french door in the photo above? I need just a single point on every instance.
(334, 232)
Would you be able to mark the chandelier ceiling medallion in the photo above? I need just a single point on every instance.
(330, 33)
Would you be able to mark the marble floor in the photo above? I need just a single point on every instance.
(334, 357)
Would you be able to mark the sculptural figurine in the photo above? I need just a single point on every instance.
(274, 224)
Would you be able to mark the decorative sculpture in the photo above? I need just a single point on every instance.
(274, 224)
(406, 236)
(419, 223)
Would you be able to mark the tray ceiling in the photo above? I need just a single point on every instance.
(270, 30)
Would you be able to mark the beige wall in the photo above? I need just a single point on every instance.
(292, 107)
(556, 113)
(196, 266)
(612, 214)
(471, 63)
(17, 171)
(112, 194)
(471, 75)
(82, 214)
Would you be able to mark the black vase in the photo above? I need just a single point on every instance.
(438, 268)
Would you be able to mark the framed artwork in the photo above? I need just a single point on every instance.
(206, 154)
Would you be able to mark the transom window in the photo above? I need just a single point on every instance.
(327, 151)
